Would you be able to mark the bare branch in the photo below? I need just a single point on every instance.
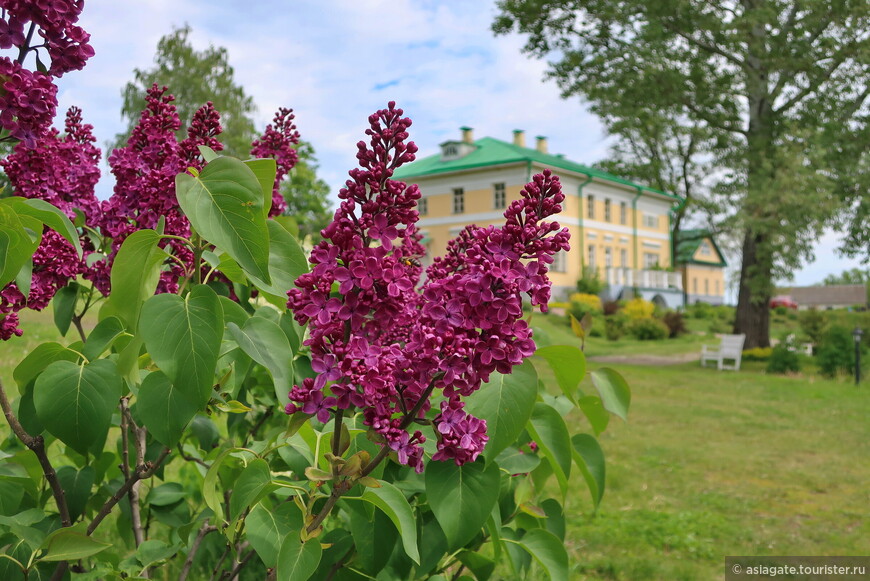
(191, 554)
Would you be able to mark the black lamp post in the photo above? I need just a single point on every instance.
(856, 335)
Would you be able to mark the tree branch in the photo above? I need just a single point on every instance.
(37, 446)
(191, 554)
(143, 471)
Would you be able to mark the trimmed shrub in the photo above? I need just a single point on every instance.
(836, 352)
(781, 310)
(590, 283)
(813, 324)
(610, 308)
(757, 354)
(648, 329)
(639, 308)
(702, 311)
(590, 300)
(784, 358)
(675, 323)
(615, 326)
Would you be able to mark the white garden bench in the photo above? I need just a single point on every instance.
(730, 349)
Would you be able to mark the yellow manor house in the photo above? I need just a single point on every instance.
(619, 229)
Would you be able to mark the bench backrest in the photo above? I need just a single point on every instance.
(732, 344)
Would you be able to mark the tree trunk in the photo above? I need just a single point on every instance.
(753, 312)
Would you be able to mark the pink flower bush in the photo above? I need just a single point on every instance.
(61, 170)
(383, 345)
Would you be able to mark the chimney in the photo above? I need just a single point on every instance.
(467, 134)
(519, 137)
(541, 143)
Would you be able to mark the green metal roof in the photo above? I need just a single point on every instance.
(489, 151)
(688, 243)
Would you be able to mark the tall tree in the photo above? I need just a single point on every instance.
(777, 82)
(194, 78)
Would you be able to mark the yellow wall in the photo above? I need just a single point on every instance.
(705, 280)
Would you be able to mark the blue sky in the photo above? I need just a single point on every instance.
(337, 61)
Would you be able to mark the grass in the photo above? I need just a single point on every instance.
(716, 463)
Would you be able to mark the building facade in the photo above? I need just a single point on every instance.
(703, 266)
(619, 229)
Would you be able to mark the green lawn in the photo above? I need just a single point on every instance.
(722, 463)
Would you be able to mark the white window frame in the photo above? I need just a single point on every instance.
(590, 256)
(458, 201)
(623, 213)
(560, 262)
(499, 196)
(423, 206)
(590, 207)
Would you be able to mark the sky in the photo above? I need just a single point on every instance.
(337, 61)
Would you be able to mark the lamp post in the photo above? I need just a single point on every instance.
(856, 335)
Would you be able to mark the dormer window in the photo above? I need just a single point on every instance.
(450, 150)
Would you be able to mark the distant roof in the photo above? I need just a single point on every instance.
(688, 242)
(489, 151)
(839, 294)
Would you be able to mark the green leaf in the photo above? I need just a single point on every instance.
(548, 429)
(225, 206)
(481, 566)
(17, 244)
(153, 551)
(68, 544)
(298, 560)
(514, 461)
(165, 494)
(207, 153)
(102, 337)
(265, 342)
(374, 537)
(76, 486)
(75, 402)
(614, 391)
(266, 528)
(548, 551)
(568, 364)
(287, 262)
(254, 481)
(264, 170)
(135, 274)
(11, 494)
(211, 495)
(64, 305)
(594, 411)
(48, 215)
(589, 458)
(40, 358)
(24, 278)
(461, 497)
(390, 499)
(505, 402)
(183, 336)
(163, 409)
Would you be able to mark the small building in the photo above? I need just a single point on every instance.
(824, 298)
(703, 266)
(619, 229)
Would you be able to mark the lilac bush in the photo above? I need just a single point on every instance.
(384, 343)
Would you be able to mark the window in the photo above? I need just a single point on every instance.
(458, 201)
(623, 213)
(695, 285)
(450, 151)
(705, 249)
(590, 207)
(608, 257)
(623, 257)
(499, 200)
(591, 260)
(559, 262)
(650, 260)
(706, 287)
(606, 210)
(650, 221)
(718, 292)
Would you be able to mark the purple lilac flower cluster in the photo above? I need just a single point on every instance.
(61, 170)
(277, 142)
(29, 98)
(145, 173)
(382, 346)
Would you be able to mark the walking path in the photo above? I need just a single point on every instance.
(658, 360)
